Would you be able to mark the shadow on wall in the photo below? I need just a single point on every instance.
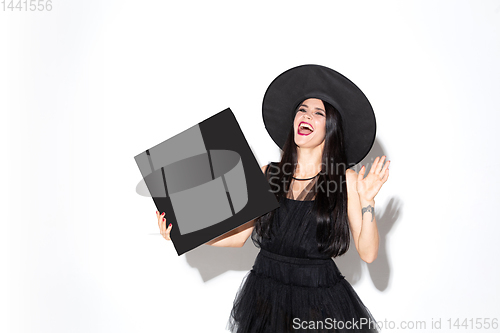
(350, 264)
(213, 261)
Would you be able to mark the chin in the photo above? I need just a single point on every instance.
(303, 140)
(306, 144)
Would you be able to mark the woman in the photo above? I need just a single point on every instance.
(294, 285)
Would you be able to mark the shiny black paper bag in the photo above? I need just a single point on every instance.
(206, 180)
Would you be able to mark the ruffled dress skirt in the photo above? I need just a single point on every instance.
(289, 294)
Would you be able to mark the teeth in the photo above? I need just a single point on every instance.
(306, 126)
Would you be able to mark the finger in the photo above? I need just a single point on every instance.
(386, 166)
(163, 228)
(386, 173)
(361, 173)
(386, 176)
(163, 221)
(374, 165)
(168, 231)
(380, 165)
(160, 219)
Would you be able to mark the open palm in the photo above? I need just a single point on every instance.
(369, 186)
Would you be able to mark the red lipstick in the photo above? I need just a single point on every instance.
(311, 129)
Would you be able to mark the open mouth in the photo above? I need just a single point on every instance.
(305, 128)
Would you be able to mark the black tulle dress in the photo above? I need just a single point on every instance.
(292, 287)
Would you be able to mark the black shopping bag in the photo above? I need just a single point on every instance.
(206, 180)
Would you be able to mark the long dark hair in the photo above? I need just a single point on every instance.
(330, 204)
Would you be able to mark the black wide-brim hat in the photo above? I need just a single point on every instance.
(314, 81)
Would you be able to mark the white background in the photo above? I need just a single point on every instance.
(89, 85)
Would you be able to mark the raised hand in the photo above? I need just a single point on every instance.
(371, 184)
(162, 224)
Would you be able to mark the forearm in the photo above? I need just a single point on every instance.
(368, 240)
(225, 240)
(234, 238)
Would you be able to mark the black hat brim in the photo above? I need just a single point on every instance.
(314, 81)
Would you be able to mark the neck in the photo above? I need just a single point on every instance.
(308, 161)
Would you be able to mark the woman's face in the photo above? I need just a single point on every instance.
(309, 123)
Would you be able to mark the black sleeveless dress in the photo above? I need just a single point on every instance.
(292, 287)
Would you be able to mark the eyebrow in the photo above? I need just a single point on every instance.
(315, 108)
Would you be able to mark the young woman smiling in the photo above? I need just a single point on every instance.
(294, 284)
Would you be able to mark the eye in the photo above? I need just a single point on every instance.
(320, 113)
(302, 110)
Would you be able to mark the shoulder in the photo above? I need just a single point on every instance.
(272, 164)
